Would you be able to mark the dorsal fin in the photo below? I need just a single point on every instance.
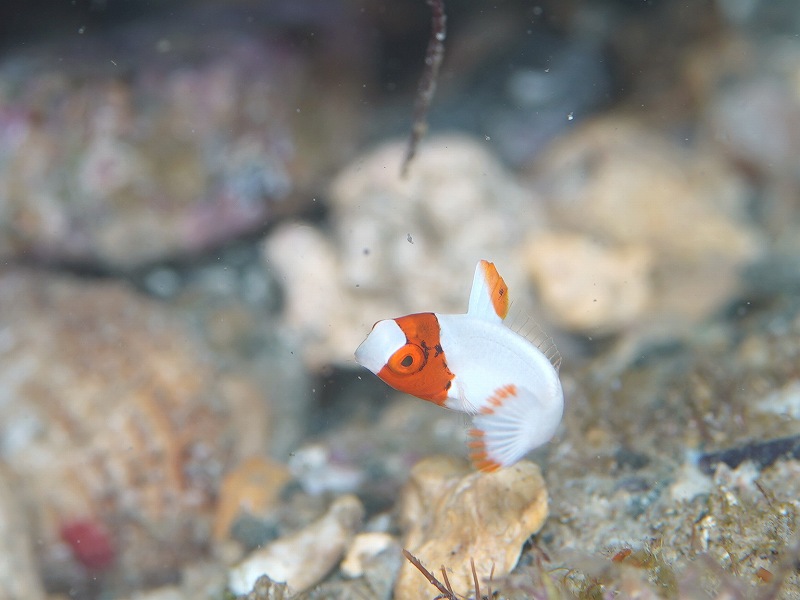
(489, 300)
(522, 324)
(489, 296)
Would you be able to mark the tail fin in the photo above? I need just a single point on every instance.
(513, 423)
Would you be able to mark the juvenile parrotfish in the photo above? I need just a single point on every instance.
(477, 364)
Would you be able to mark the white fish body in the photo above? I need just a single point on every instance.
(476, 364)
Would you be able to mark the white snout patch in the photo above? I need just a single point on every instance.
(385, 339)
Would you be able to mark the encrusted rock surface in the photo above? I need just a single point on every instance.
(457, 206)
(589, 286)
(453, 516)
(162, 139)
(302, 559)
(678, 214)
(661, 236)
(252, 489)
(117, 425)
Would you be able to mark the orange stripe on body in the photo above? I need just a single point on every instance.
(498, 290)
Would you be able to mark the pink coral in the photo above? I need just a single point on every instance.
(90, 542)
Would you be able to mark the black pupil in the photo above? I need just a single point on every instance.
(406, 362)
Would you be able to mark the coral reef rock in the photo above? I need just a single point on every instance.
(375, 557)
(252, 488)
(561, 264)
(118, 427)
(453, 515)
(365, 547)
(304, 558)
(457, 205)
(673, 217)
(163, 138)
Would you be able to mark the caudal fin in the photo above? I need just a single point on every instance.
(513, 423)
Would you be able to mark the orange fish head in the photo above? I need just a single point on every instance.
(406, 354)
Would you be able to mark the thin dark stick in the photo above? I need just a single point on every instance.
(447, 581)
(427, 83)
(446, 593)
(475, 579)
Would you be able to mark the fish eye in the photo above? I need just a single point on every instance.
(407, 360)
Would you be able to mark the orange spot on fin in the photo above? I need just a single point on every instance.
(512, 422)
(489, 296)
(496, 399)
(480, 454)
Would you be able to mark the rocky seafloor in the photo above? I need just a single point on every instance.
(202, 215)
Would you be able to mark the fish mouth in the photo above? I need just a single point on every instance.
(361, 353)
(383, 341)
(362, 356)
